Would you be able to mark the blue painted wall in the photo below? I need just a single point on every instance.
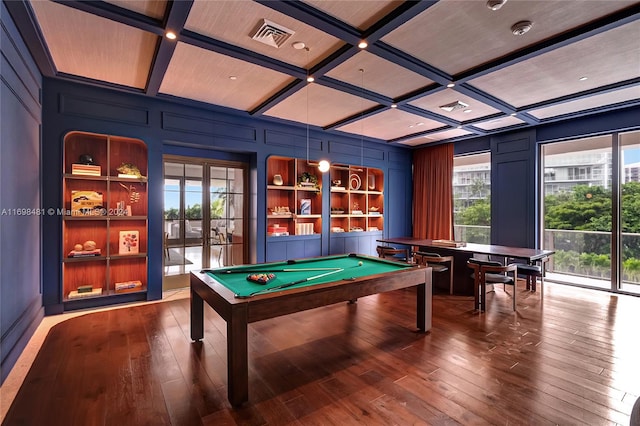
(187, 128)
(20, 234)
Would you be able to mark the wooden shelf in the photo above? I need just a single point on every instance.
(290, 194)
(369, 193)
(113, 194)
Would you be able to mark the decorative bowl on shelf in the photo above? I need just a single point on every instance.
(277, 180)
(354, 182)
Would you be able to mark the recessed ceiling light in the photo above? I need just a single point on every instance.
(513, 114)
(450, 85)
(458, 127)
(363, 44)
(495, 4)
(170, 35)
(394, 105)
(583, 78)
(522, 27)
(233, 77)
(298, 45)
(310, 79)
(467, 111)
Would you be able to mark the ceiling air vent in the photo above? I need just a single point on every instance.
(271, 34)
(454, 106)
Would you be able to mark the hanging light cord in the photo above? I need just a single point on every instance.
(307, 94)
(362, 118)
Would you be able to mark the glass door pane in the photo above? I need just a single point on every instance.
(227, 216)
(577, 210)
(630, 211)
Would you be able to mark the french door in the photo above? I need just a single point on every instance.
(204, 214)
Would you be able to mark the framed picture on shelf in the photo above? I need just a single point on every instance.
(129, 242)
(305, 206)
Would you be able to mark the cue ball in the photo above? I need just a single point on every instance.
(360, 263)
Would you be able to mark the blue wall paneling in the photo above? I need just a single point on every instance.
(20, 196)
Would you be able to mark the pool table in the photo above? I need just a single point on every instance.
(298, 285)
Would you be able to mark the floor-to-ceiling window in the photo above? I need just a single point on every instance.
(591, 211)
(204, 214)
(472, 198)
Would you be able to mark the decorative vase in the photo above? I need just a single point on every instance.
(372, 182)
(277, 180)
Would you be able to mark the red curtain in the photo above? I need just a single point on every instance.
(433, 193)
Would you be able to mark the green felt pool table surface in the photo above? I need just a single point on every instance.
(326, 269)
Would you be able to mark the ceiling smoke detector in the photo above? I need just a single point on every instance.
(454, 106)
(271, 34)
(522, 27)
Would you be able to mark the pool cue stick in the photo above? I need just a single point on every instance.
(252, 271)
(292, 283)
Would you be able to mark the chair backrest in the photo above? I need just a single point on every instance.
(392, 253)
(483, 262)
(424, 253)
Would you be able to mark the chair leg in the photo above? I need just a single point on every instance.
(451, 281)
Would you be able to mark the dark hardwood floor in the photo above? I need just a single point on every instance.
(569, 359)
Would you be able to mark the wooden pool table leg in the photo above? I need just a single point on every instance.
(197, 316)
(424, 305)
(237, 356)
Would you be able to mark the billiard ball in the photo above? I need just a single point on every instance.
(360, 263)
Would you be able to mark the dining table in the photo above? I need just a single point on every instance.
(463, 251)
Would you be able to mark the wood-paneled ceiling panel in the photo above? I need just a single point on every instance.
(380, 75)
(630, 94)
(499, 123)
(458, 35)
(92, 47)
(319, 106)
(151, 8)
(206, 76)
(603, 59)
(434, 101)
(235, 22)
(358, 14)
(390, 124)
(436, 137)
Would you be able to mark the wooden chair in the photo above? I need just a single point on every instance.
(437, 262)
(392, 253)
(491, 272)
(533, 272)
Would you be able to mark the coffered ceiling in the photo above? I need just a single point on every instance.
(579, 57)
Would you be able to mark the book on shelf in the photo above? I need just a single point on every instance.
(127, 285)
(448, 243)
(87, 203)
(85, 253)
(75, 294)
(85, 170)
